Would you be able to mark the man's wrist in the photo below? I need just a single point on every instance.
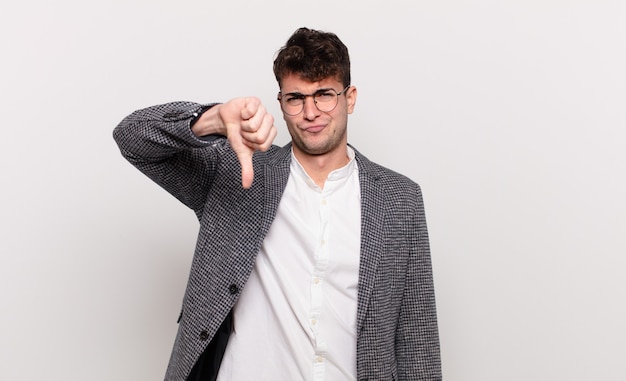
(207, 121)
(197, 114)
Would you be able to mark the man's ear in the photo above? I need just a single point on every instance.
(351, 98)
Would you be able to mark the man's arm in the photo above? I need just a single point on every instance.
(161, 142)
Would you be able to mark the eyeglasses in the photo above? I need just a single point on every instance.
(324, 99)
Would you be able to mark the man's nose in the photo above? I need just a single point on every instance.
(310, 110)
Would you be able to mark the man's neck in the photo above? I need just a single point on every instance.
(318, 167)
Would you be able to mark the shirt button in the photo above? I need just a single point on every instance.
(319, 359)
(204, 335)
(313, 321)
(233, 289)
(316, 280)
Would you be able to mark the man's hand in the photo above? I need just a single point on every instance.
(246, 124)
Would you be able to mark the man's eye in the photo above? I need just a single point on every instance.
(294, 98)
(325, 95)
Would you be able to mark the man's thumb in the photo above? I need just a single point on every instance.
(247, 171)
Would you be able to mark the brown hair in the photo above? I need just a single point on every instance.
(314, 55)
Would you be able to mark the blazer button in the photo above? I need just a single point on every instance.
(204, 335)
(233, 289)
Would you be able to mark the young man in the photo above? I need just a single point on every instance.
(312, 263)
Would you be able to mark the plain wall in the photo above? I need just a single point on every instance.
(510, 115)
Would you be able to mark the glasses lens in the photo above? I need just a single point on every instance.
(292, 104)
(326, 100)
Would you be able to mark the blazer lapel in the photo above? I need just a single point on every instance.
(372, 235)
(276, 174)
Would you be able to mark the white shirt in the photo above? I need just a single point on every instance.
(296, 318)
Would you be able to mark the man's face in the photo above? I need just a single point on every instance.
(315, 132)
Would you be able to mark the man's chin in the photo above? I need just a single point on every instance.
(315, 149)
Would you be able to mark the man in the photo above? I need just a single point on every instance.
(312, 263)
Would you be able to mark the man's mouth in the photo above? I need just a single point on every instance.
(314, 129)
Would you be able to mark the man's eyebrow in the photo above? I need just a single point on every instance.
(296, 93)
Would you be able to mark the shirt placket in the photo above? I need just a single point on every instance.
(317, 280)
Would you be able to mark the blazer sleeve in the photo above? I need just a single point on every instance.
(417, 336)
(159, 142)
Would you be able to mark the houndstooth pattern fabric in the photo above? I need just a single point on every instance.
(397, 335)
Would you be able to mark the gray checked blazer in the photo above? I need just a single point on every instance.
(397, 335)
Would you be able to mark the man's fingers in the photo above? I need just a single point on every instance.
(261, 141)
(260, 135)
(253, 116)
(250, 108)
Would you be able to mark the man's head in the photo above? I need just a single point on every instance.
(313, 73)
(313, 55)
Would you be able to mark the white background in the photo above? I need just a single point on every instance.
(510, 114)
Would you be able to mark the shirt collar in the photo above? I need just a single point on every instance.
(337, 174)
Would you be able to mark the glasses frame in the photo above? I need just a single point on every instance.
(305, 96)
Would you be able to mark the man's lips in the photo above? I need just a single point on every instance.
(313, 129)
